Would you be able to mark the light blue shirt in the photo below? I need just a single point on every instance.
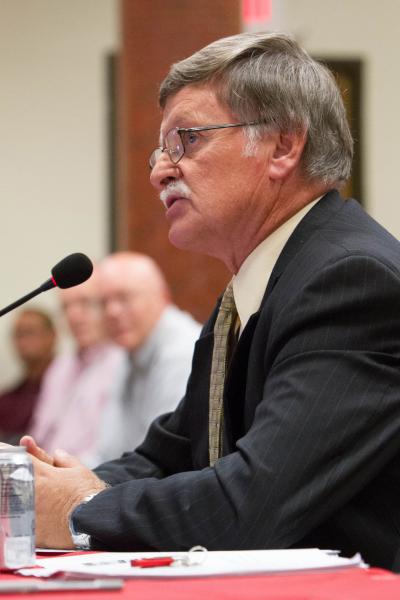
(158, 372)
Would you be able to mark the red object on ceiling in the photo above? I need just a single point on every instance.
(256, 11)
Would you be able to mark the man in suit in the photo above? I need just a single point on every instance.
(299, 443)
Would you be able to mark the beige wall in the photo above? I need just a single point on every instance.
(52, 141)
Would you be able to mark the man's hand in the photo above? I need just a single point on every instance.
(61, 483)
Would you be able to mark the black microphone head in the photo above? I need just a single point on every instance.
(72, 270)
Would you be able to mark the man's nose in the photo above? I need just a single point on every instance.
(164, 172)
(111, 308)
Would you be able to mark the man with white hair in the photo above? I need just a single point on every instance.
(159, 339)
(289, 431)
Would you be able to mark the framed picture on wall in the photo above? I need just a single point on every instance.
(348, 74)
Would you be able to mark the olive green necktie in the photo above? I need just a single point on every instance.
(220, 359)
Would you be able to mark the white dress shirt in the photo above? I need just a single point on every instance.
(251, 280)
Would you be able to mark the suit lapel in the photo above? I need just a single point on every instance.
(314, 221)
(239, 397)
(235, 386)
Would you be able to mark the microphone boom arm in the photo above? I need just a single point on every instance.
(71, 270)
(47, 285)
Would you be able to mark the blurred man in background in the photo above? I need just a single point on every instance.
(34, 340)
(78, 385)
(159, 339)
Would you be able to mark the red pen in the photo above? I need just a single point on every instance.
(195, 556)
(156, 561)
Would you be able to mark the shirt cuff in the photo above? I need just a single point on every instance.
(81, 540)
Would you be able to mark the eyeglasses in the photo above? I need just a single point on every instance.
(179, 140)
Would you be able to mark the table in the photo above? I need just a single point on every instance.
(344, 584)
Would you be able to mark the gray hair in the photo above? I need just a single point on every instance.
(270, 79)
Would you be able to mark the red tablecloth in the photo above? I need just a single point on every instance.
(346, 584)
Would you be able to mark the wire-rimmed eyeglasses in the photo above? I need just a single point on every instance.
(178, 139)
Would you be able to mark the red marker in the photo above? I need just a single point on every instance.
(156, 561)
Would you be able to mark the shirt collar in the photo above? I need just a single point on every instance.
(250, 282)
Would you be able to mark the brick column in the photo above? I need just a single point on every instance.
(156, 33)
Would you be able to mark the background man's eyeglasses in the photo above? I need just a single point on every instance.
(177, 139)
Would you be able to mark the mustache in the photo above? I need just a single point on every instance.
(175, 187)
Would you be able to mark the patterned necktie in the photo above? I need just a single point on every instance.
(226, 317)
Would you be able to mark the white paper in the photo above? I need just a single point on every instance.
(117, 564)
(54, 551)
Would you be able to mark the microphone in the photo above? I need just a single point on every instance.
(71, 270)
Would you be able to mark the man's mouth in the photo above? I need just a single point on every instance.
(172, 199)
(173, 192)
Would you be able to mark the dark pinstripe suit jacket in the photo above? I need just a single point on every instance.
(312, 409)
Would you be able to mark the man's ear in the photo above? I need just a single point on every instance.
(286, 154)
